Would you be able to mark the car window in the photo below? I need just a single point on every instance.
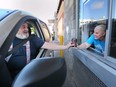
(45, 31)
(33, 29)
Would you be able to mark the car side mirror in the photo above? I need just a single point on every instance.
(42, 72)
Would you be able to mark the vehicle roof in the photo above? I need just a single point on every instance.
(4, 13)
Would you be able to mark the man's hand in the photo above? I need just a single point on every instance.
(70, 44)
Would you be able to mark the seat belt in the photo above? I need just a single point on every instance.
(17, 46)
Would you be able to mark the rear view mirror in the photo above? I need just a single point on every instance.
(42, 72)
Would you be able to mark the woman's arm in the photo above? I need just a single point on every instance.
(87, 44)
(83, 45)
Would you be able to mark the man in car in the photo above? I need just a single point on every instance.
(19, 58)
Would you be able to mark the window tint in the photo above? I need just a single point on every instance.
(113, 32)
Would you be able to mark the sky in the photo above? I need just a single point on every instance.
(43, 9)
(96, 7)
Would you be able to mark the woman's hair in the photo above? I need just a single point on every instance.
(102, 27)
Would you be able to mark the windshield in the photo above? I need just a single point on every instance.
(4, 13)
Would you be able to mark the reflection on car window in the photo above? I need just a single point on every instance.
(4, 13)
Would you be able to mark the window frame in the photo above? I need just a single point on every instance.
(110, 61)
(108, 40)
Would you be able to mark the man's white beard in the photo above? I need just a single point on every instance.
(22, 36)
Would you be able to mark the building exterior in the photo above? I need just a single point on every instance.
(87, 67)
